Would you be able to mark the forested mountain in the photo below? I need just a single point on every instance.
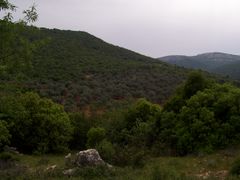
(77, 69)
(220, 63)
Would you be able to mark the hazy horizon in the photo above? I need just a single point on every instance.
(152, 27)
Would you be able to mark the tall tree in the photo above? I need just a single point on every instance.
(15, 49)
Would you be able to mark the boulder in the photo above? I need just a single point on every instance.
(88, 157)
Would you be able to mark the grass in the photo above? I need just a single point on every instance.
(42, 160)
(213, 166)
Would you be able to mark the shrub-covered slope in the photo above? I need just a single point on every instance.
(77, 69)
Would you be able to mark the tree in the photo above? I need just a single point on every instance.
(195, 82)
(142, 111)
(207, 120)
(36, 124)
(15, 49)
(137, 125)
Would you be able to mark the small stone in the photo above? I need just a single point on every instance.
(50, 168)
(68, 156)
(69, 172)
(109, 165)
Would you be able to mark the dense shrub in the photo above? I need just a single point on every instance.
(77, 69)
(129, 156)
(202, 116)
(81, 126)
(36, 124)
(95, 136)
(235, 168)
(195, 82)
(4, 134)
(106, 150)
(202, 122)
(137, 125)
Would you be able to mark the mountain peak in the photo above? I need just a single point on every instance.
(216, 55)
(214, 62)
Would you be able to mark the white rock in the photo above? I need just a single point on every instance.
(89, 157)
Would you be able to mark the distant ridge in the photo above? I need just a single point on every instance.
(214, 62)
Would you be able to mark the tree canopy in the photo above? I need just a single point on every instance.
(35, 124)
(15, 49)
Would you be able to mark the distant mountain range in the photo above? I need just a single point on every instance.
(216, 62)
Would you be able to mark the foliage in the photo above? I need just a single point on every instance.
(5, 5)
(137, 126)
(206, 119)
(81, 126)
(4, 134)
(235, 168)
(36, 124)
(195, 82)
(15, 49)
(95, 136)
(106, 150)
(77, 69)
(129, 156)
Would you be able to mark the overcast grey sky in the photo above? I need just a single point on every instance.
(151, 27)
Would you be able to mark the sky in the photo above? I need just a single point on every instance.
(151, 27)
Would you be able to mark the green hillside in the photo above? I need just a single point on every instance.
(232, 70)
(77, 69)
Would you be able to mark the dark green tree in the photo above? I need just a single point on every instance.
(208, 120)
(36, 124)
(195, 82)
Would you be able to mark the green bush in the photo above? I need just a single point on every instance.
(95, 136)
(36, 124)
(137, 126)
(200, 117)
(4, 134)
(129, 156)
(235, 167)
(81, 126)
(195, 82)
(106, 150)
